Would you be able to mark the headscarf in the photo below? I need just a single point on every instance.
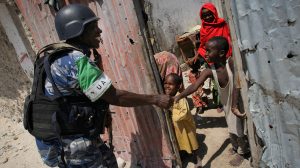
(217, 28)
(167, 63)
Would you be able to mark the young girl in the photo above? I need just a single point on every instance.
(212, 26)
(184, 125)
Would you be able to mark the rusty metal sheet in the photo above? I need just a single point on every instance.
(139, 137)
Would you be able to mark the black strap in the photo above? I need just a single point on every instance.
(36, 81)
(55, 46)
(57, 129)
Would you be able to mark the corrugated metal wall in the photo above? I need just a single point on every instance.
(139, 136)
(268, 35)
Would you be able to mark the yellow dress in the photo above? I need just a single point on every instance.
(184, 126)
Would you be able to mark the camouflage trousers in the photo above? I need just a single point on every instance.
(79, 152)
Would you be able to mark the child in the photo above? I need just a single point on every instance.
(197, 96)
(222, 71)
(212, 26)
(182, 118)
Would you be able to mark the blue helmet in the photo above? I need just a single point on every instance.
(71, 19)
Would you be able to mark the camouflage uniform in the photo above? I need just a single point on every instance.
(75, 71)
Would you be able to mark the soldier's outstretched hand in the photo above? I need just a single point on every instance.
(163, 101)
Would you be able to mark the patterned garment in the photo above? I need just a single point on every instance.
(79, 151)
(167, 63)
(197, 95)
(76, 71)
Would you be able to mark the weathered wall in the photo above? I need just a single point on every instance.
(14, 84)
(170, 18)
(16, 35)
(269, 34)
(139, 136)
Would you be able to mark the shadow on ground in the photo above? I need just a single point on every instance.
(211, 122)
(217, 153)
(201, 153)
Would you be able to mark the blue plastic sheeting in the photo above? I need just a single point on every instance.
(268, 34)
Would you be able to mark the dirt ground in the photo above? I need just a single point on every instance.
(17, 147)
(214, 141)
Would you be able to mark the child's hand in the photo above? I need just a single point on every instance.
(237, 112)
(189, 62)
(176, 99)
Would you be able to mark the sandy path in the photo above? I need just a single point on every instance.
(214, 141)
(18, 150)
(17, 147)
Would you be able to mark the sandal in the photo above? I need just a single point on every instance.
(232, 151)
(220, 109)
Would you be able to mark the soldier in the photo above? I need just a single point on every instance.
(77, 78)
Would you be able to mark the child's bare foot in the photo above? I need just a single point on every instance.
(232, 151)
(219, 109)
(198, 116)
(200, 110)
(198, 163)
(237, 160)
